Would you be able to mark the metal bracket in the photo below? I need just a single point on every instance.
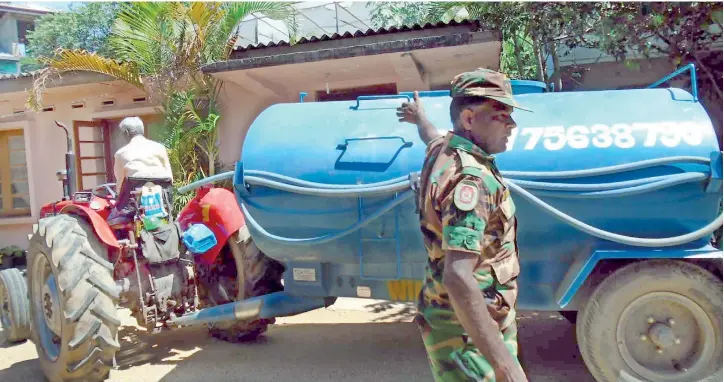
(714, 183)
(392, 96)
(692, 71)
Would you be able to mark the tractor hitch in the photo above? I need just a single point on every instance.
(277, 304)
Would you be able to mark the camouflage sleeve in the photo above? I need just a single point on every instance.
(464, 212)
(435, 143)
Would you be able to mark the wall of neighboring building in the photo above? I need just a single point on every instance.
(9, 66)
(8, 32)
(45, 143)
(615, 75)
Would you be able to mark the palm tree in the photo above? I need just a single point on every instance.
(160, 47)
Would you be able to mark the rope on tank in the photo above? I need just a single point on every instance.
(600, 190)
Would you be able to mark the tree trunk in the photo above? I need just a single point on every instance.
(538, 59)
(518, 58)
(714, 82)
(558, 83)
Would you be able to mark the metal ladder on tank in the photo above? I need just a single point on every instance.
(395, 238)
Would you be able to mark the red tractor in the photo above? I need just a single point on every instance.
(84, 263)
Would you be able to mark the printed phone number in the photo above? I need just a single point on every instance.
(621, 135)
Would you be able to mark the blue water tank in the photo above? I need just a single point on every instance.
(527, 86)
(362, 142)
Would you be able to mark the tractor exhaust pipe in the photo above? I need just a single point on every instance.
(69, 179)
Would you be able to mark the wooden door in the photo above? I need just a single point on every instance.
(93, 159)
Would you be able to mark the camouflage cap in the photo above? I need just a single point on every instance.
(485, 83)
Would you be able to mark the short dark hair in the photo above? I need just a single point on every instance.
(459, 104)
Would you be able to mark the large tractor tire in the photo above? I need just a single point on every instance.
(72, 300)
(657, 320)
(222, 283)
(14, 309)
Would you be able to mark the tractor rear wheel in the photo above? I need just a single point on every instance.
(654, 320)
(72, 300)
(222, 283)
(14, 310)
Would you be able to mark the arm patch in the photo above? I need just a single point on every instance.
(466, 195)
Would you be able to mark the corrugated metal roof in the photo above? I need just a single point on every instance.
(360, 33)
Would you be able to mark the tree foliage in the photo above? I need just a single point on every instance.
(85, 26)
(539, 34)
(530, 30)
(683, 32)
(391, 14)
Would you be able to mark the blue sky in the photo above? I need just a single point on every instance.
(48, 4)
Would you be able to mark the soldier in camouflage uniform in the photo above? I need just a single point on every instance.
(467, 216)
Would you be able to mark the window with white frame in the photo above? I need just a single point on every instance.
(14, 186)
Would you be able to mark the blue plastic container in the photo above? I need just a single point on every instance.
(199, 239)
(361, 142)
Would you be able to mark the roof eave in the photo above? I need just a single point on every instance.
(312, 53)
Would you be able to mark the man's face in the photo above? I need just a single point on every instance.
(489, 124)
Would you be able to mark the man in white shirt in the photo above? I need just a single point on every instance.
(141, 157)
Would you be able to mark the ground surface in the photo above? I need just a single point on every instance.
(354, 340)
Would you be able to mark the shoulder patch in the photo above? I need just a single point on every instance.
(466, 195)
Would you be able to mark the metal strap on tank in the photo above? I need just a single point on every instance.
(395, 239)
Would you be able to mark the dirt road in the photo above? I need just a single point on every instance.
(354, 340)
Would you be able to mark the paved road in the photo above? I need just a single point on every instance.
(354, 340)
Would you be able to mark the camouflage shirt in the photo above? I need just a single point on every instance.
(465, 206)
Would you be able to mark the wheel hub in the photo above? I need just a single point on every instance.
(662, 335)
(665, 337)
(51, 306)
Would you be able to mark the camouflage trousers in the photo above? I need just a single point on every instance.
(453, 356)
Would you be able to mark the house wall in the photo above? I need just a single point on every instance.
(45, 142)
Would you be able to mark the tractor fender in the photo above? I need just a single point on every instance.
(218, 210)
(100, 226)
(582, 267)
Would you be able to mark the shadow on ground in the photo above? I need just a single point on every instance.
(397, 312)
(314, 352)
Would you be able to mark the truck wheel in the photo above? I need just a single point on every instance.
(657, 320)
(222, 283)
(72, 300)
(14, 311)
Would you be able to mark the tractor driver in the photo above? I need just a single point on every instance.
(466, 308)
(141, 157)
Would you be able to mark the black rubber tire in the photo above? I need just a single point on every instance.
(596, 328)
(87, 299)
(221, 284)
(16, 325)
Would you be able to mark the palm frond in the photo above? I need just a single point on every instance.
(238, 11)
(66, 60)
